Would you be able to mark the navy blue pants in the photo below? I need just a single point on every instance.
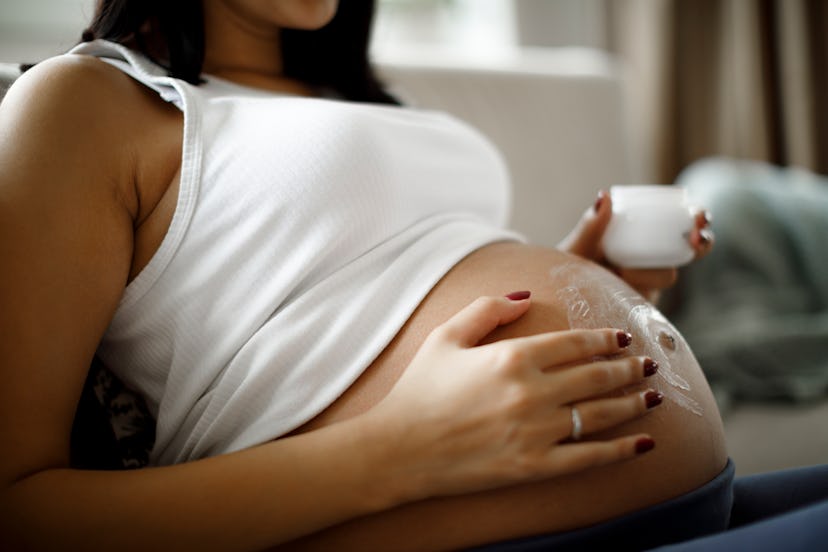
(784, 510)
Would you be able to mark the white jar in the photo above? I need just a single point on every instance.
(650, 227)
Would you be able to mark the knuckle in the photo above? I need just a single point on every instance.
(638, 404)
(623, 448)
(519, 398)
(582, 340)
(510, 358)
(488, 309)
(600, 454)
(587, 457)
(527, 466)
(611, 339)
(523, 463)
(635, 406)
(487, 304)
(442, 333)
(634, 367)
(602, 414)
(607, 452)
(602, 375)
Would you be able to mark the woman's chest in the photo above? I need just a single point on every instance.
(314, 171)
(344, 162)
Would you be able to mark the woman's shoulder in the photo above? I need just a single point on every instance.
(71, 69)
(72, 92)
(78, 107)
(75, 121)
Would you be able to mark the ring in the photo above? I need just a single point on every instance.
(577, 425)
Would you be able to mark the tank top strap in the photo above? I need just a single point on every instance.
(136, 66)
(190, 101)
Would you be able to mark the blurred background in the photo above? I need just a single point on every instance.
(640, 90)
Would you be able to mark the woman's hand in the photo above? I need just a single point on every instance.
(465, 418)
(585, 241)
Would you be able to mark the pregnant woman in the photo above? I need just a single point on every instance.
(313, 290)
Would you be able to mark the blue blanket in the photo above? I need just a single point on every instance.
(755, 310)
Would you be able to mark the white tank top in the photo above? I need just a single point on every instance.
(306, 233)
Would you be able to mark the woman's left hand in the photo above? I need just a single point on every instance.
(585, 241)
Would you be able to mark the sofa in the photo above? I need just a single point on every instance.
(558, 117)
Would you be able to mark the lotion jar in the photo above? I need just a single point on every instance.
(650, 227)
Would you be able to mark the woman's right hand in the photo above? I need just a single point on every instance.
(466, 417)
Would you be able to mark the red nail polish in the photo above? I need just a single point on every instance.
(650, 367)
(518, 295)
(653, 398)
(599, 201)
(643, 445)
(624, 339)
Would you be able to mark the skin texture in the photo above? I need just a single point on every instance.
(90, 173)
(242, 38)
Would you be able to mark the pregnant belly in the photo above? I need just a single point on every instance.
(567, 292)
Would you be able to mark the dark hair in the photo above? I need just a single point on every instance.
(171, 33)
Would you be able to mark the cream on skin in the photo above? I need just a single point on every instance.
(644, 322)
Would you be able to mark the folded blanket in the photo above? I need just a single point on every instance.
(755, 310)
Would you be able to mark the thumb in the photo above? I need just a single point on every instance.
(481, 317)
(585, 239)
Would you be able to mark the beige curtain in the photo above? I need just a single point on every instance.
(741, 78)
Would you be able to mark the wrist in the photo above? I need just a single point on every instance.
(390, 463)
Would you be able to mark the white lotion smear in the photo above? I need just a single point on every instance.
(644, 321)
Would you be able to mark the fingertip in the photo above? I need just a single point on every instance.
(518, 295)
(652, 398)
(703, 219)
(602, 211)
(649, 367)
(517, 304)
(600, 201)
(478, 319)
(702, 241)
(623, 338)
(644, 444)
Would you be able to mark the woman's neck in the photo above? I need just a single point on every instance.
(264, 81)
(245, 51)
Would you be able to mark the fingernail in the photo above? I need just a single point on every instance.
(705, 236)
(599, 201)
(650, 367)
(653, 398)
(624, 339)
(518, 295)
(643, 445)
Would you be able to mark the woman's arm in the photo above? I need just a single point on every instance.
(68, 202)
(492, 423)
(415, 445)
(68, 137)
